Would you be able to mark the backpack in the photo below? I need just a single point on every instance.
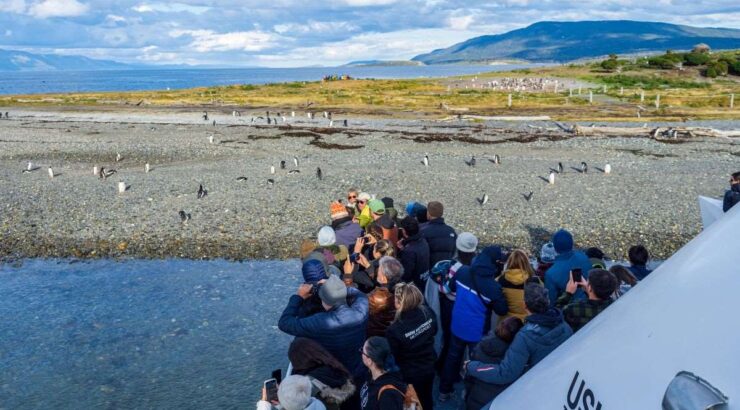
(410, 398)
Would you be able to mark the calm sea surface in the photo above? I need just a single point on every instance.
(129, 80)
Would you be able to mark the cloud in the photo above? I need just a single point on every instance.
(13, 6)
(366, 3)
(316, 27)
(58, 8)
(461, 22)
(8, 33)
(207, 40)
(169, 8)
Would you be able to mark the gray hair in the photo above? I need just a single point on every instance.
(392, 269)
(294, 392)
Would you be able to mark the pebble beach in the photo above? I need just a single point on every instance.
(650, 197)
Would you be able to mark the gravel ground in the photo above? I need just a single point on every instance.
(649, 198)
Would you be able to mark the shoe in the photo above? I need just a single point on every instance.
(443, 397)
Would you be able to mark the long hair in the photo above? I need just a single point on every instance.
(518, 259)
(623, 275)
(408, 296)
(306, 354)
(385, 248)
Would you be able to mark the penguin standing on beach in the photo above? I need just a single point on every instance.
(607, 169)
(205, 115)
(184, 217)
(282, 164)
(319, 174)
(201, 192)
(528, 197)
(560, 167)
(551, 178)
(482, 200)
(118, 157)
(295, 161)
(584, 167)
(51, 173)
(425, 161)
(471, 163)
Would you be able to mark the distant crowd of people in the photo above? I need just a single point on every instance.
(388, 304)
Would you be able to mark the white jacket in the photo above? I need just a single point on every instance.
(313, 405)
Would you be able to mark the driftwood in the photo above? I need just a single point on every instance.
(661, 133)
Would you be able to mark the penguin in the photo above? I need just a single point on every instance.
(210, 139)
(241, 178)
(146, 168)
(184, 217)
(319, 174)
(345, 123)
(551, 178)
(295, 161)
(425, 161)
(29, 166)
(201, 192)
(272, 169)
(482, 200)
(471, 163)
(560, 167)
(51, 173)
(528, 197)
(214, 123)
(294, 171)
(282, 164)
(584, 167)
(607, 169)
(118, 157)
(292, 114)
(205, 115)
(270, 182)
(496, 159)
(105, 173)
(331, 123)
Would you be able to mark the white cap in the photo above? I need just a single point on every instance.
(327, 237)
(364, 196)
(467, 242)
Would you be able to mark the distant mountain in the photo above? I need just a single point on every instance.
(382, 63)
(567, 41)
(11, 60)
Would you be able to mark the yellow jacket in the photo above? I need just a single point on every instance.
(512, 284)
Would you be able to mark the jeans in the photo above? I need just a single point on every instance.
(451, 370)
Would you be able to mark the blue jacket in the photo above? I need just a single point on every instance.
(340, 330)
(541, 334)
(415, 259)
(347, 232)
(559, 274)
(640, 272)
(470, 317)
(732, 197)
(442, 240)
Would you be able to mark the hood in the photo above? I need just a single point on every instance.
(549, 319)
(735, 188)
(516, 276)
(329, 376)
(484, 264)
(544, 334)
(341, 223)
(337, 395)
(493, 347)
(315, 405)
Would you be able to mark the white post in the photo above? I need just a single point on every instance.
(590, 97)
(642, 96)
(657, 101)
(121, 187)
(95, 170)
(732, 101)
(509, 102)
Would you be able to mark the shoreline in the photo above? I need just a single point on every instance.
(77, 215)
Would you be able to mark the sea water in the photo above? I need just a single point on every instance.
(162, 79)
(141, 333)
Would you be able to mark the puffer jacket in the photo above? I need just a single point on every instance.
(415, 259)
(441, 239)
(559, 274)
(542, 334)
(340, 330)
(346, 232)
(512, 284)
(477, 392)
(732, 197)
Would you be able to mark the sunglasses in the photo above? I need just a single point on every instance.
(362, 351)
(361, 201)
(352, 197)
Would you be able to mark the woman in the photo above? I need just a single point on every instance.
(384, 389)
(626, 280)
(382, 311)
(411, 337)
(332, 383)
(363, 273)
(294, 393)
(512, 283)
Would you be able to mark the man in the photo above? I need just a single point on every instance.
(639, 257)
(440, 237)
(732, 196)
(414, 253)
(543, 332)
(362, 211)
(568, 259)
(381, 299)
(340, 329)
(600, 287)
(477, 294)
(345, 229)
(314, 271)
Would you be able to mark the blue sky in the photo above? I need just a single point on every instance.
(285, 33)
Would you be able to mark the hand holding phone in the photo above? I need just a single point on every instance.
(270, 389)
(577, 275)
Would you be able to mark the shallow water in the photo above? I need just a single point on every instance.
(139, 333)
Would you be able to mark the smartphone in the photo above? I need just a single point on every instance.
(277, 374)
(577, 274)
(353, 257)
(271, 387)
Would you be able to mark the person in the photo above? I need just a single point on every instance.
(599, 287)
(345, 229)
(418, 211)
(732, 195)
(491, 349)
(596, 256)
(518, 271)
(340, 329)
(327, 244)
(639, 257)
(389, 228)
(332, 382)
(626, 280)
(294, 393)
(557, 276)
(364, 272)
(440, 236)
(313, 271)
(414, 253)
(362, 211)
(384, 388)
(545, 260)
(352, 194)
(544, 330)
(411, 338)
(381, 299)
(390, 210)
(477, 294)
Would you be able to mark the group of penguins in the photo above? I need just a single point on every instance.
(274, 120)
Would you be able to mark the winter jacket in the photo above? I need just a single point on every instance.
(441, 239)
(580, 312)
(391, 399)
(559, 274)
(477, 392)
(411, 338)
(346, 232)
(542, 334)
(512, 284)
(330, 386)
(381, 315)
(313, 405)
(640, 272)
(470, 317)
(364, 217)
(340, 330)
(415, 259)
(732, 197)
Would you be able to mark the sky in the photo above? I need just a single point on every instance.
(291, 33)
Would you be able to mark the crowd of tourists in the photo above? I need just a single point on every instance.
(392, 301)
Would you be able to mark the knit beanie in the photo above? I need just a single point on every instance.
(313, 271)
(338, 211)
(494, 253)
(562, 241)
(467, 242)
(327, 237)
(547, 253)
(410, 208)
(333, 292)
(376, 206)
(387, 201)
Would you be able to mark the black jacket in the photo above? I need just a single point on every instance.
(732, 197)
(412, 342)
(477, 392)
(415, 259)
(391, 399)
(442, 240)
